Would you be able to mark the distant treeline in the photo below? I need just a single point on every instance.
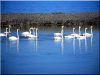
(25, 21)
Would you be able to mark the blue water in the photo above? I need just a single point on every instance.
(47, 56)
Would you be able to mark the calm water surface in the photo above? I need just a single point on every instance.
(68, 56)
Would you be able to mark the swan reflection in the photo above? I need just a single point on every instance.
(61, 41)
(62, 45)
(74, 45)
(14, 45)
(79, 45)
(36, 44)
(86, 44)
(17, 46)
(91, 41)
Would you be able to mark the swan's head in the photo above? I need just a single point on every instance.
(62, 26)
(36, 28)
(91, 27)
(79, 26)
(73, 28)
(17, 29)
(9, 26)
(31, 28)
(6, 28)
(86, 28)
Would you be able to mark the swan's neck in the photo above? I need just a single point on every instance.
(6, 32)
(79, 32)
(91, 31)
(33, 30)
(17, 34)
(62, 32)
(30, 31)
(73, 31)
(9, 29)
(85, 31)
(36, 32)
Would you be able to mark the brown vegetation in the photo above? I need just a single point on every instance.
(25, 21)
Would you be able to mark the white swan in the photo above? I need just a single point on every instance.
(81, 37)
(4, 34)
(71, 36)
(74, 34)
(57, 34)
(88, 34)
(60, 36)
(8, 32)
(14, 38)
(26, 33)
(31, 35)
(33, 29)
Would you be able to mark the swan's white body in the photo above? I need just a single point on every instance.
(25, 34)
(81, 37)
(71, 36)
(87, 34)
(28, 34)
(2, 34)
(14, 38)
(75, 35)
(59, 36)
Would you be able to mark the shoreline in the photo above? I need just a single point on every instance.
(54, 29)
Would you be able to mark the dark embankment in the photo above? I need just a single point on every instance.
(50, 21)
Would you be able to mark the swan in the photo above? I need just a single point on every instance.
(26, 33)
(4, 34)
(88, 34)
(71, 36)
(32, 29)
(81, 37)
(8, 32)
(33, 36)
(14, 38)
(60, 36)
(74, 34)
(57, 34)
